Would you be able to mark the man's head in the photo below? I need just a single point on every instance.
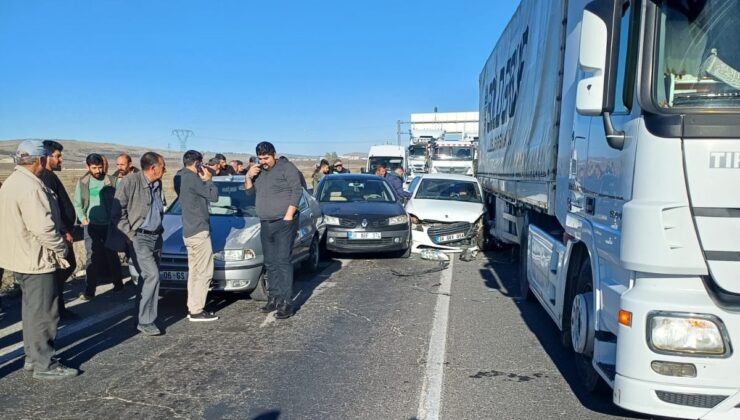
(265, 152)
(399, 171)
(32, 155)
(324, 166)
(237, 165)
(338, 165)
(191, 158)
(380, 170)
(54, 161)
(153, 166)
(215, 164)
(221, 160)
(95, 165)
(123, 164)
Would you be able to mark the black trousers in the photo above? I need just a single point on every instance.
(39, 317)
(101, 261)
(277, 246)
(61, 276)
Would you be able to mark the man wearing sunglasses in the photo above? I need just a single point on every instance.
(339, 168)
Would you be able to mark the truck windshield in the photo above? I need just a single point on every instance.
(417, 151)
(698, 54)
(452, 153)
(390, 162)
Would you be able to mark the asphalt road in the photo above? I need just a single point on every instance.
(365, 343)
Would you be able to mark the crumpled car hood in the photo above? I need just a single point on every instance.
(226, 233)
(445, 211)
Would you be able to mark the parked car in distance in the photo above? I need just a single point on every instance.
(235, 236)
(446, 211)
(363, 214)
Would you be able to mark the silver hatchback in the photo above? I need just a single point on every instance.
(235, 236)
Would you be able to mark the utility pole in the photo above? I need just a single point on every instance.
(182, 135)
(398, 132)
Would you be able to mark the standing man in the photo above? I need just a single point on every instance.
(318, 173)
(137, 214)
(30, 221)
(67, 217)
(396, 181)
(123, 167)
(195, 191)
(278, 189)
(339, 167)
(92, 200)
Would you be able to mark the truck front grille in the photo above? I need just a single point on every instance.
(691, 400)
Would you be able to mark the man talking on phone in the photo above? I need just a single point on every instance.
(195, 190)
(278, 188)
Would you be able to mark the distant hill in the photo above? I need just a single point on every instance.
(75, 152)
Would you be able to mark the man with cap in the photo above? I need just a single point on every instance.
(30, 220)
(339, 168)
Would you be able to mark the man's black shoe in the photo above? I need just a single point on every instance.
(148, 329)
(284, 310)
(270, 306)
(204, 316)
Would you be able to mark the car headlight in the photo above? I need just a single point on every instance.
(234, 255)
(398, 220)
(331, 220)
(688, 334)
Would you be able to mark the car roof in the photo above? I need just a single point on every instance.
(228, 178)
(451, 177)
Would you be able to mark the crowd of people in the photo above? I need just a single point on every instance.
(121, 215)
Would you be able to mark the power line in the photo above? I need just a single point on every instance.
(182, 135)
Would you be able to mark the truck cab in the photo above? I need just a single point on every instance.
(451, 157)
(391, 156)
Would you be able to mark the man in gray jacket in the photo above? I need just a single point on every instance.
(195, 190)
(278, 186)
(137, 215)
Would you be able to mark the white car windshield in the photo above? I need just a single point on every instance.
(446, 189)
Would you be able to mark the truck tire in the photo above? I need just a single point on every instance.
(524, 292)
(259, 294)
(591, 380)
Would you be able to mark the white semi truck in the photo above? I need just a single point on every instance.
(452, 157)
(610, 153)
(418, 151)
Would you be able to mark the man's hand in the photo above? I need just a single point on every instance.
(68, 238)
(85, 222)
(205, 175)
(290, 214)
(253, 171)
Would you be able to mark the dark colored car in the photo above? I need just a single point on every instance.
(363, 214)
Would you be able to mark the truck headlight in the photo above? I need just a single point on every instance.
(398, 220)
(234, 255)
(687, 334)
(331, 220)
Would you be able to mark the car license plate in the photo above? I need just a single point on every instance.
(363, 235)
(447, 238)
(173, 275)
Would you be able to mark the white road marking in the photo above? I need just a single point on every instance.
(14, 351)
(430, 402)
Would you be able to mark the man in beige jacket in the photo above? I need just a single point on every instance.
(30, 220)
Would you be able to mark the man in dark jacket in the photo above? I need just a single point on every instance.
(68, 217)
(278, 186)
(195, 190)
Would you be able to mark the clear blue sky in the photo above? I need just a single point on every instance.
(310, 76)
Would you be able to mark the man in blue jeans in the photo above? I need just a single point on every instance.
(278, 186)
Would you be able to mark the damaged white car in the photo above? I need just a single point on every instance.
(446, 212)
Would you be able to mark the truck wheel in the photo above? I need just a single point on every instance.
(524, 292)
(582, 331)
(259, 293)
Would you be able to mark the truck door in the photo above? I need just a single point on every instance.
(607, 176)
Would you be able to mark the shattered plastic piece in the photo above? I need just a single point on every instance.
(410, 272)
(469, 254)
(434, 255)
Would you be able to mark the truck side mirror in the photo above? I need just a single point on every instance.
(598, 55)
